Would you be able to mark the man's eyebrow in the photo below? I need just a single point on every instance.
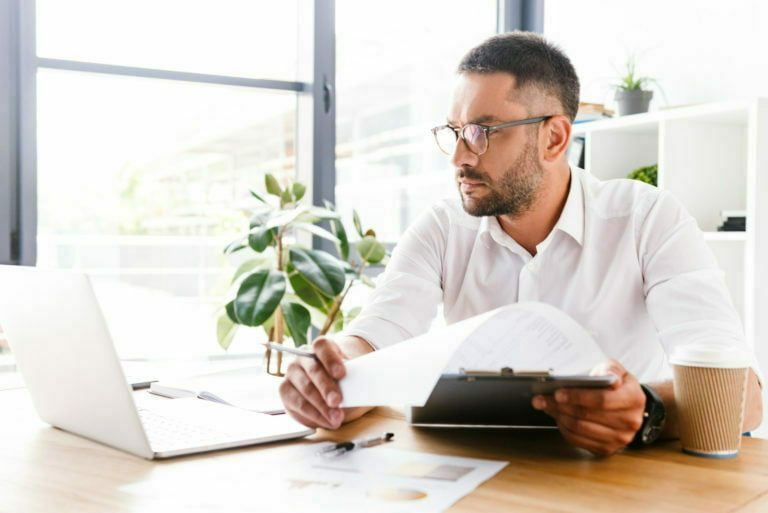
(486, 118)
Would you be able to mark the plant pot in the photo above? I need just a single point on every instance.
(633, 101)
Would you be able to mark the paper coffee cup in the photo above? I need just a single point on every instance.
(710, 394)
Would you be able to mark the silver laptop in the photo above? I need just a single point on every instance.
(65, 354)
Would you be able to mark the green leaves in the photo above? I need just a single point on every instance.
(253, 193)
(273, 187)
(316, 230)
(337, 227)
(258, 297)
(356, 222)
(299, 190)
(298, 320)
(288, 195)
(371, 250)
(225, 331)
(307, 292)
(311, 289)
(260, 238)
(235, 245)
(320, 269)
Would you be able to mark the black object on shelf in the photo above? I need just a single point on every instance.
(733, 224)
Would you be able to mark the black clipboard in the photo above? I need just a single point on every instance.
(500, 399)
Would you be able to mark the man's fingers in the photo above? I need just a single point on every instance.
(595, 431)
(330, 357)
(617, 419)
(328, 387)
(301, 408)
(594, 446)
(611, 367)
(310, 391)
(599, 447)
(620, 399)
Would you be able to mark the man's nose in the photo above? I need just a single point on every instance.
(462, 157)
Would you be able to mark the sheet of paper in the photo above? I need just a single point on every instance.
(249, 388)
(405, 373)
(523, 336)
(295, 479)
(530, 336)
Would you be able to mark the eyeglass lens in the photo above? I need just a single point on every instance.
(474, 136)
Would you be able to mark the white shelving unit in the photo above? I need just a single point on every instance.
(711, 157)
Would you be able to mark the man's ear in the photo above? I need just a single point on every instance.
(555, 136)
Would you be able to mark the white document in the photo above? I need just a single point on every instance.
(523, 336)
(248, 388)
(295, 479)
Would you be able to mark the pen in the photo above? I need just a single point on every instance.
(292, 350)
(343, 447)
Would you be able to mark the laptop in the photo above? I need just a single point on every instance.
(65, 354)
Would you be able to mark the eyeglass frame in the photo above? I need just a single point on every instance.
(487, 130)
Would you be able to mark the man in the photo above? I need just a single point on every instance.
(621, 257)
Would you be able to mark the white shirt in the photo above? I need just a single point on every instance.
(624, 259)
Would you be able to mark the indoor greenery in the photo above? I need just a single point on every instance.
(648, 174)
(629, 81)
(285, 286)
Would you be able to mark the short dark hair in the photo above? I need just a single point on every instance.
(532, 60)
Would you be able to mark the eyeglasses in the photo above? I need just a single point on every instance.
(475, 136)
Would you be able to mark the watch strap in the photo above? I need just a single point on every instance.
(654, 417)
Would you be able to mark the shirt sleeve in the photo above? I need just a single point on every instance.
(685, 291)
(406, 298)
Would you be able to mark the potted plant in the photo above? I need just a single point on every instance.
(286, 287)
(630, 96)
(647, 174)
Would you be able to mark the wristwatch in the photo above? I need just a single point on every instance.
(654, 417)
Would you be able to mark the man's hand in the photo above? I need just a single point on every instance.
(601, 421)
(310, 390)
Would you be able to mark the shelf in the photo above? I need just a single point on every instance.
(729, 113)
(725, 236)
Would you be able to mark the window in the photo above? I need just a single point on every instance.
(143, 124)
(394, 78)
(141, 183)
(245, 38)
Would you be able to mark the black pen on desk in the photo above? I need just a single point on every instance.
(343, 447)
(291, 350)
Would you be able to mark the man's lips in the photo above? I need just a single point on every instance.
(470, 185)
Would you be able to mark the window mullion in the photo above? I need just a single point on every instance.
(8, 127)
(520, 15)
(324, 109)
(27, 133)
(111, 69)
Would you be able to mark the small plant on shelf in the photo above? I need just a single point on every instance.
(631, 95)
(286, 287)
(648, 174)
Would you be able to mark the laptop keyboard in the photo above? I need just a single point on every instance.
(166, 433)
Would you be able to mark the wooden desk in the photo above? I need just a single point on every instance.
(46, 470)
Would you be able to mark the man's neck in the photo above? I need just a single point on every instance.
(532, 227)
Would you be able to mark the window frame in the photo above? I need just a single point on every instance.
(316, 107)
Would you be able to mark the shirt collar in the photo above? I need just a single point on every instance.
(571, 219)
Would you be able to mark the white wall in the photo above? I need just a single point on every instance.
(698, 50)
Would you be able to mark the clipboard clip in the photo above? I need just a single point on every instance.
(505, 371)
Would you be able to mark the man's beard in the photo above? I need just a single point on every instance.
(513, 194)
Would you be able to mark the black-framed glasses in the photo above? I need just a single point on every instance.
(475, 136)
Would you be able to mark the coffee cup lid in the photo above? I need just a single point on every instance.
(710, 355)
